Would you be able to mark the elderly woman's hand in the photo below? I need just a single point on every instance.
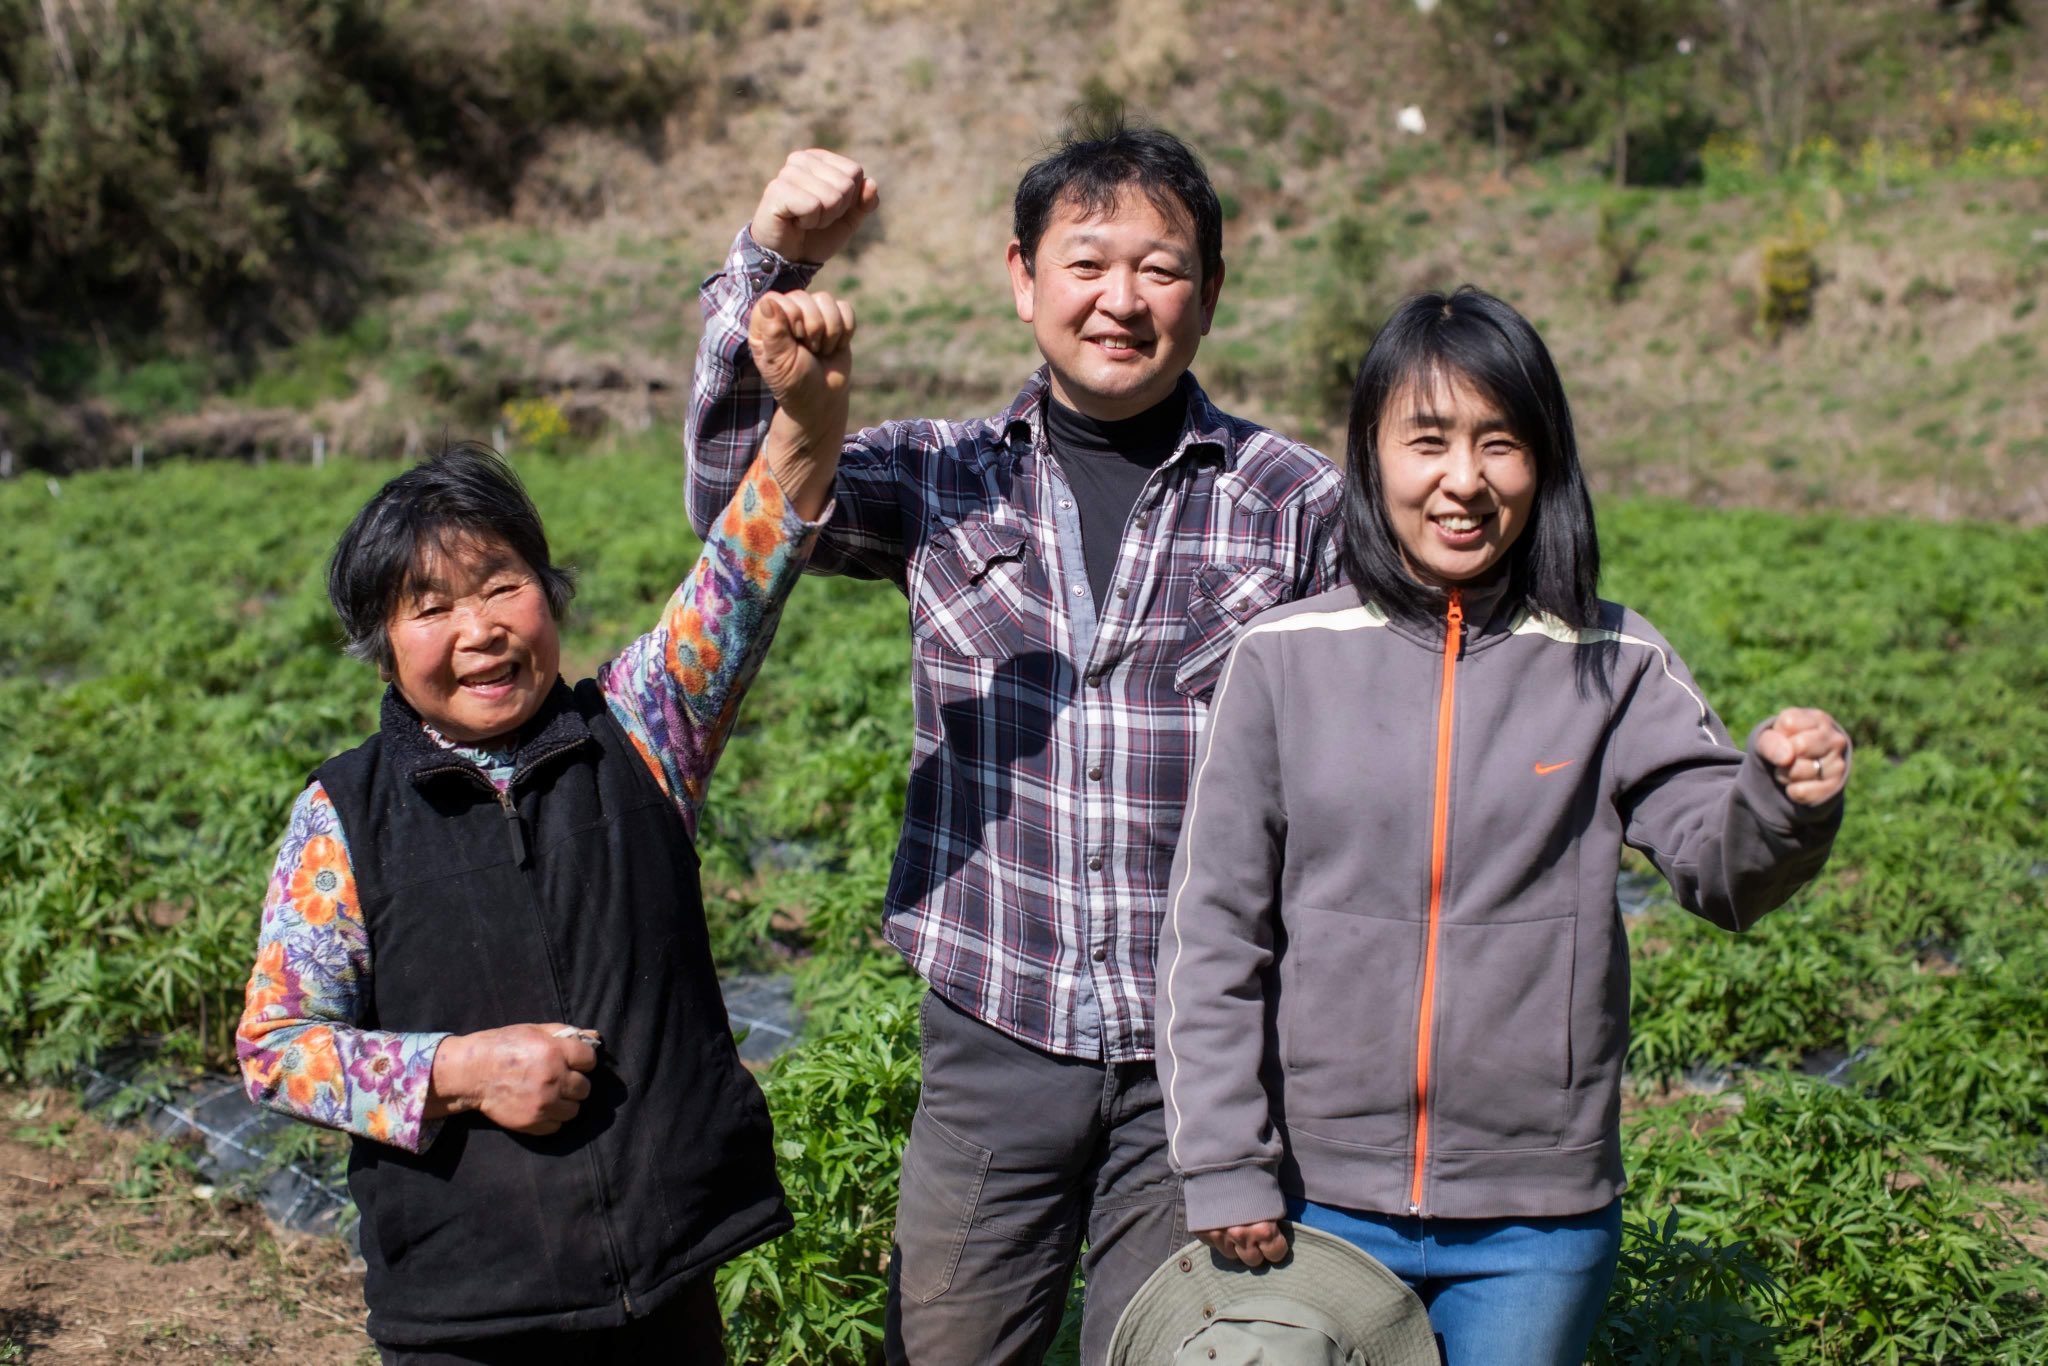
(802, 344)
(528, 1078)
(1252, 1244)
(1808, 754)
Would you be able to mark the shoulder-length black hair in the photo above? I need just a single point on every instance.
(1554, 565)
(465, 491)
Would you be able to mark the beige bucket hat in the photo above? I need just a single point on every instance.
(1327, 1304)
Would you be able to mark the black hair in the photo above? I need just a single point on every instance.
(1554, 565)
(465, 491)
(1094, 164)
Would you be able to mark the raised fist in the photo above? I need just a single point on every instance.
(813, 206)
(1808, 754)
(803, 347)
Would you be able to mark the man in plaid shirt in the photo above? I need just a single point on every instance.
(1077, 566)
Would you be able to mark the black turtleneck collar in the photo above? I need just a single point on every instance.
(1146, 439)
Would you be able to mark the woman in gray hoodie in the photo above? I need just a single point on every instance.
(1393, 978)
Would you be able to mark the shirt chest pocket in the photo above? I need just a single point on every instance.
(979, 589)
(1224, 597)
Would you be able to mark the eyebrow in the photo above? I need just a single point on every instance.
(1492, 422)
(1091, 238)
(421, 585)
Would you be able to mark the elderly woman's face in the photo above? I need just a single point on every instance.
(1459, 486)
(474, 646)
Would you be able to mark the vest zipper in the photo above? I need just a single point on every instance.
(514, 828)
(1440, 820)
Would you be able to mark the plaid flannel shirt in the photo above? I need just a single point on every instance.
(1054, 745)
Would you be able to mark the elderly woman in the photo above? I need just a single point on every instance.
(1394, 982)
(483, 950)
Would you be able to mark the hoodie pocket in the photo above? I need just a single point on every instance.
(1503, 1070)
(1349, 987)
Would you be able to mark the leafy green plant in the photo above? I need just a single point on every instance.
(1881, 1252)
(842, 1104)
(1680, 1301)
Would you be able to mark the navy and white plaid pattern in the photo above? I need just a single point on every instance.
(1053, 750)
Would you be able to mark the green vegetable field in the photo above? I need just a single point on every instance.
(1838, 1124)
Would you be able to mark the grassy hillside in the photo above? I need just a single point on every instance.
(562, 301)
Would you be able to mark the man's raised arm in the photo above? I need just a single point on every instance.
(806, 214)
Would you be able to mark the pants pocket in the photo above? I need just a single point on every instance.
(943, 1175)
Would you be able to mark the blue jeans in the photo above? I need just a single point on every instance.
(1526, 1291)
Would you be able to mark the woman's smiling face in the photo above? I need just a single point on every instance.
(1459, 486)
(474, 647)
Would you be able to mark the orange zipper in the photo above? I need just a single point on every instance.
(1454, 631)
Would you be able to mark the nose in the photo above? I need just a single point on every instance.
(475, 628)
(1463, 475)
(1119, 297)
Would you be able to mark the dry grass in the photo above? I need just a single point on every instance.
(92, 1269)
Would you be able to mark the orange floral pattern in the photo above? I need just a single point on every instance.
(675, 690)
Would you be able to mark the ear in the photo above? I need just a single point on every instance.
(1212, 290)
(1022, 287)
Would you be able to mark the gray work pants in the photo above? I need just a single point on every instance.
(1013, 1155)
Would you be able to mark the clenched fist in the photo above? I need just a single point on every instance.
(529, 1078)
(813, 205)
(1808, 754)
(803, 347)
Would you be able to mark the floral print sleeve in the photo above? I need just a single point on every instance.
(677, 689)
(299, 1048)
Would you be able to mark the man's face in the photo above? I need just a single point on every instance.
(1118, 304)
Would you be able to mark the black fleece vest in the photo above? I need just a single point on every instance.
(573, 898)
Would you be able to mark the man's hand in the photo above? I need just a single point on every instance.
(1808, 754)
(528, 1078)
(813, 205)
(1252, 1244)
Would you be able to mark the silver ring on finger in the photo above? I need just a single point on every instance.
(1817, 773)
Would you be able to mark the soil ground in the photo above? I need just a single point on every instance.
(111, 1250)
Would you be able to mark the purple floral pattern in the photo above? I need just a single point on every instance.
(676, 691)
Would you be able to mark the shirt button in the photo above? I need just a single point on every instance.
(1079, 590)
(1094, 680)
(1101, 954)
(1065, 504)
(1095, 865)
(1123, 592)
(1142, 519)
(1095, 774)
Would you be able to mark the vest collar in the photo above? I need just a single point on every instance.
(556, 731)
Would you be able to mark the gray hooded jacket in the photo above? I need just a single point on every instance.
(1393, 976)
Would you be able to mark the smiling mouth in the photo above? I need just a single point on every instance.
(1462, 528)
(1120, 345)
(496, 678)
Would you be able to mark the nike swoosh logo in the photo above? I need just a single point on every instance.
(1542, 769)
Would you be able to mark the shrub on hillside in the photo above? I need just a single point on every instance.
(1339, 321)
(210, 167)
(1790, 275)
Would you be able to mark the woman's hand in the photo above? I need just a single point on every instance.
(803, 347)
(1808, 754)
(528, 1078)
(1252, 1244)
